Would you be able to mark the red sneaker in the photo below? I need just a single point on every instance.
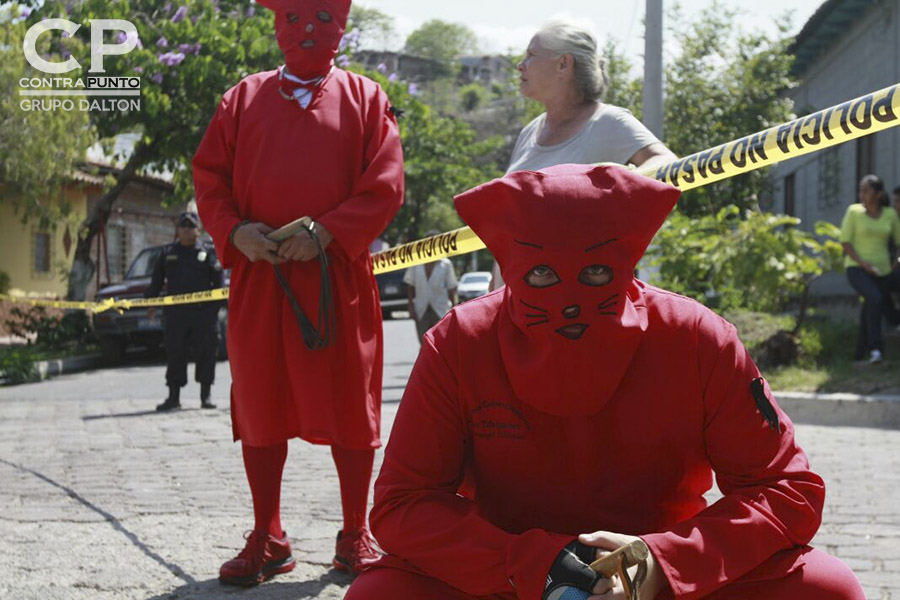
(262, 557)
(355, 551)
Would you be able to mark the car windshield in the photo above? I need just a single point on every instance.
(475, 278)
(143, 265)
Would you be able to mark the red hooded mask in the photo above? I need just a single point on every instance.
(308, 33)
(568, 239)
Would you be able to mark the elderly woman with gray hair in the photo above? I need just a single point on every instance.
(563, 70)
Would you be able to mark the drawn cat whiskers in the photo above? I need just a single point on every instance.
(541, 317)
(607, 304)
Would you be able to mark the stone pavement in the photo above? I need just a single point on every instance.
(101, 498)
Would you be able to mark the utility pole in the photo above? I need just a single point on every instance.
(653, 71)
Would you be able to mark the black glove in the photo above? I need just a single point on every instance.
(570, 577)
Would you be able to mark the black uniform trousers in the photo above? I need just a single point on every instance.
(191, 326)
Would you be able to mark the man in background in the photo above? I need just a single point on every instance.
(184, 267)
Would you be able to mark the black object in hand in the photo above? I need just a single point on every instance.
(571, 570)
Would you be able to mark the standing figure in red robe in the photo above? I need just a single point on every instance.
(576, 409)
(308, 139)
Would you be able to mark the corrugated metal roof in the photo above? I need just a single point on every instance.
(83, 177)
(824, 28)
(102, 169)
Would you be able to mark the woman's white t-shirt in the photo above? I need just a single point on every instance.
(612, 134)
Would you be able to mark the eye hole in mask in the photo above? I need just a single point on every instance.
(324, 16)
(595, 275)
(541, 276)
(292, 18)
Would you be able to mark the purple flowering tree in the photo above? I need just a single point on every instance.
(189, 53)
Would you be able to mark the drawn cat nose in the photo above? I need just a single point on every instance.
(571, 312)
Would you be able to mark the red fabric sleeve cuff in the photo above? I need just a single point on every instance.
(658, 546)
(348, 246)
(227, 252)
(528, 560)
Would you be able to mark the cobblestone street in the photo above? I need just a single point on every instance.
(103, 498)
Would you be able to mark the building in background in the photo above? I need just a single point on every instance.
(38, 260)
(485, 69)
(847, 49)
(413, 69)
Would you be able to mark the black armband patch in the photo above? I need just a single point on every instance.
(766, 409)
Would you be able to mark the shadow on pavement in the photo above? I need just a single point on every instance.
(114, 522)
(271, 590)
(143, 413)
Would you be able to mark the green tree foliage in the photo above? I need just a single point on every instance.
(443, 43)
(374, 29)
(473, 96)
(190, 53)
(721, 84)
(623, 90)
(442, 157)
(743, 259)
(724, 84)
(39, 150)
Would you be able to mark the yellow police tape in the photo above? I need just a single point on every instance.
(835, 125)
(121, 304)
(49, 303)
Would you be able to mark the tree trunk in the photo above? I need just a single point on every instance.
(83, 267)
(803, 309)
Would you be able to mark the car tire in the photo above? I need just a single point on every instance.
(112, 350)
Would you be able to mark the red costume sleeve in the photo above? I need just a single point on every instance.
(418, 515)
(378, 193)
(212, 166)
(772, 501)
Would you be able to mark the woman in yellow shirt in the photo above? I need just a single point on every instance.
(865, 232)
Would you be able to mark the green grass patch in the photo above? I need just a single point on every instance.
(17, 362)
(845, 376)
(826, 343)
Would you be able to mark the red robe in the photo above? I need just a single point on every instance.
(339, 161)
(640, 465)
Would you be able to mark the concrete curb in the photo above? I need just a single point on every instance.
(841, 410)
(45, 369)
(846, 410)
(73, 364)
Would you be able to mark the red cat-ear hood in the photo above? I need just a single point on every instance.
(567, 240)
(568, 206)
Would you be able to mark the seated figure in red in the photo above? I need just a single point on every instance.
(577, 409)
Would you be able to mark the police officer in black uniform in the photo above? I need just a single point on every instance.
(188, 266)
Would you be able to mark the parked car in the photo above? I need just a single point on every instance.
(393, 291)
(473, 284)
(117, 332)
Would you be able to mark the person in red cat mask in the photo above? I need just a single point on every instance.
(577, 408)
(307, 139)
